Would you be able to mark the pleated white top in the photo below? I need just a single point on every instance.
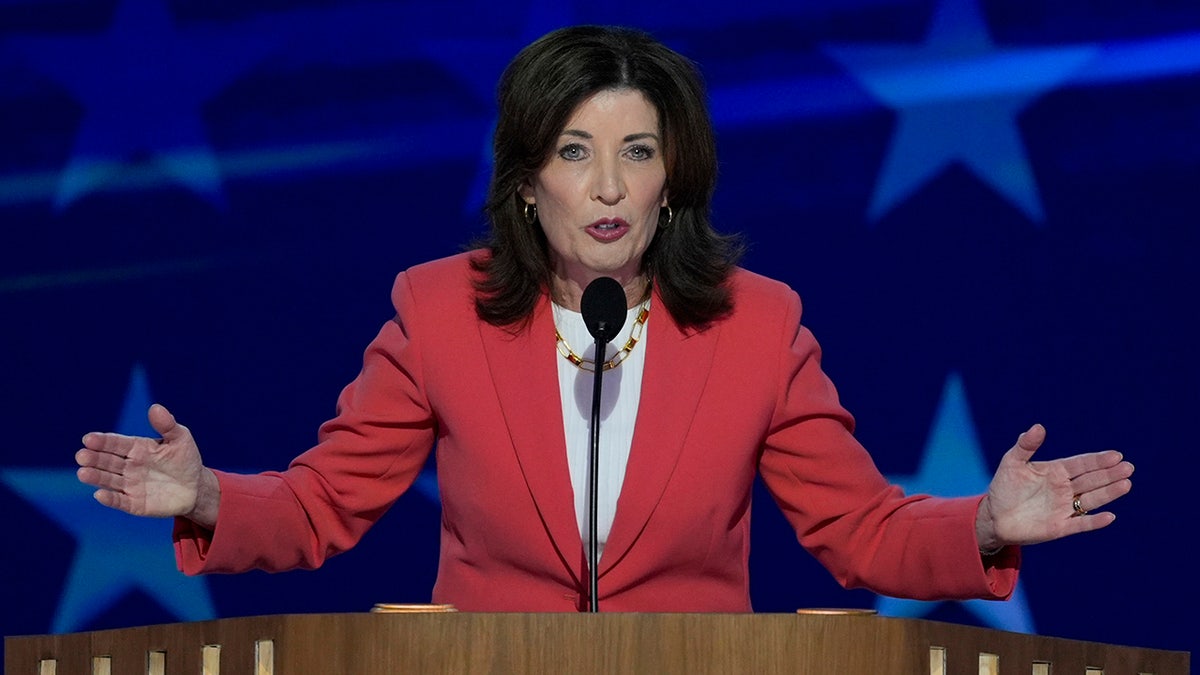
(620, 393)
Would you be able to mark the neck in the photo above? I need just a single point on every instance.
(567, 292)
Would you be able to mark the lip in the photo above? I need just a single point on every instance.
(608, 229)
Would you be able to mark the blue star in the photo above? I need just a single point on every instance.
(957, 97)
(116, 553)
(953, 466)
(142, 85)
(426, 485)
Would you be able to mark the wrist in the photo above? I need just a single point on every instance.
(208, 500)
(985, 529)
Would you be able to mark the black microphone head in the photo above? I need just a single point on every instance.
(603, 308)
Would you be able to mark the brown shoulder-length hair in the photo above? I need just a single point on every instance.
(688, 259)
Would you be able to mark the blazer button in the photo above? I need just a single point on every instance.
(574, 599)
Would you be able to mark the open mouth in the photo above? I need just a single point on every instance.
(608, 229)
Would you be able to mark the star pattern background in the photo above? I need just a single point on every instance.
(987, 207)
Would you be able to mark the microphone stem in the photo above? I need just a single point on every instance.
(594, 484)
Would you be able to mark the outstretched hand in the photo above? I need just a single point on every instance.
(150, 477)
(1030, 502)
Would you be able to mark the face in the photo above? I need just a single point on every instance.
(599, 195)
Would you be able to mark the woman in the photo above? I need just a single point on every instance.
(604, 166)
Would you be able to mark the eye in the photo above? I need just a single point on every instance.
(640, 152)
(572, 152)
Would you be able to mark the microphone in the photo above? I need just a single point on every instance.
(603, 309)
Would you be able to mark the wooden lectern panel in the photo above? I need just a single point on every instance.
(382, 644)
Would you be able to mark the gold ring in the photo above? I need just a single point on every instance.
(1078, 506)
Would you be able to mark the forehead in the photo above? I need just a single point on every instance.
(625, 110)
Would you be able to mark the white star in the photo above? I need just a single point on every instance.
(957, 97)
(952, 465)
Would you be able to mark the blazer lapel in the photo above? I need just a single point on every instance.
(525, 375)
(678, 364)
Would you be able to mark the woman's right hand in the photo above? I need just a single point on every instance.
(151, 477)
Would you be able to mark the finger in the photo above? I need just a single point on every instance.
(1094, 480)
(164, 423)
(1028, 443)
(102, 461)
(1103, 496)
(116, 444)
(100, 479)
(86, 457)
(1079, 465)
(114, 500)
(1088, 523)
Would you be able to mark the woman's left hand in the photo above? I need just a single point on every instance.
(1030, 502)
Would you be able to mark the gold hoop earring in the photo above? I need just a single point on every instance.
(530, 213)
(670, 216)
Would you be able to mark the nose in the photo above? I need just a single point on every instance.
(609, 182)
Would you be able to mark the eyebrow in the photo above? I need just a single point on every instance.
(579, 133)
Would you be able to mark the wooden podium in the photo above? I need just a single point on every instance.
(384, 644)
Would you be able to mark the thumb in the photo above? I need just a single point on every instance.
(164, 422)
(1029, 442)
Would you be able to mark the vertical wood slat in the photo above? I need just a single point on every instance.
(264, 657)
(937, 661)
(156, 662)
(210, 660)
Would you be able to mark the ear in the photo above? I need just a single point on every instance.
(665, 201)
(526, 192)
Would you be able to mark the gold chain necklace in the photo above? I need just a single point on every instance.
(639, 326)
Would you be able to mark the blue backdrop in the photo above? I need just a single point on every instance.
(988, 208)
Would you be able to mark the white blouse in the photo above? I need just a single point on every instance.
(620, 393)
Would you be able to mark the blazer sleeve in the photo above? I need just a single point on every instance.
(365, 458)
(866, 532)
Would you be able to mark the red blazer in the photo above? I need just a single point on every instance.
(746, 395)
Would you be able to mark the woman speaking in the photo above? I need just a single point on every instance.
(604, 166)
